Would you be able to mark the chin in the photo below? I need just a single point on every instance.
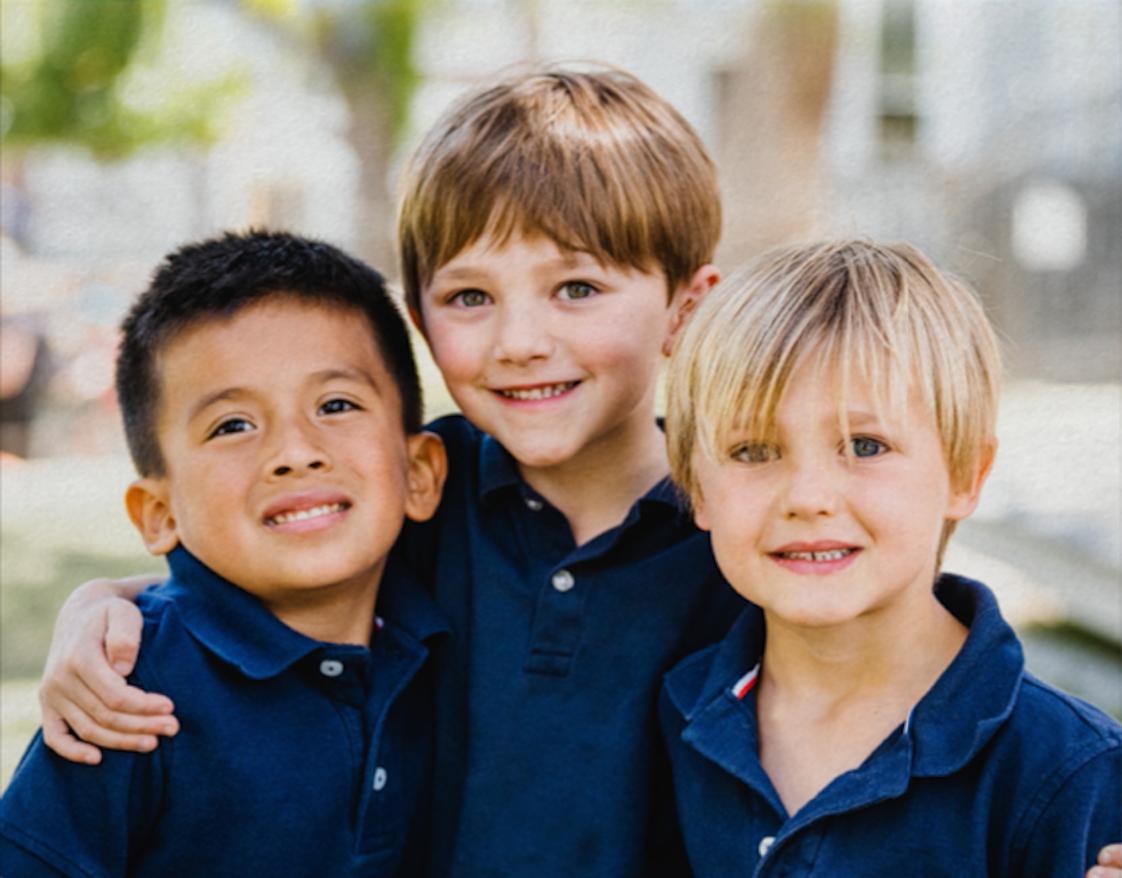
(810, 614)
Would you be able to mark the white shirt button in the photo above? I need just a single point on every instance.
(534, 503)
(765, 844)
(563, 580)
(380, 778)
(330, 668)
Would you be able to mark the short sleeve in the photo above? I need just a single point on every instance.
(76, 819)
(1075, 817)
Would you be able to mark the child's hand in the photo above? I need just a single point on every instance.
(1110, 863)
(84, 693)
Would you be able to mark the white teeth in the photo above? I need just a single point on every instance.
(539, 392)
(305, 514)
(832, 555)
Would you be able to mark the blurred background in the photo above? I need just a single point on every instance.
(987, 132)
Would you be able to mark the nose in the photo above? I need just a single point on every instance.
(295, 451)
(522, 333)
(812, 487)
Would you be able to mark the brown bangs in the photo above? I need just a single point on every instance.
(593, 161)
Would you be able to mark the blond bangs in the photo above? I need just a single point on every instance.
(881, 316)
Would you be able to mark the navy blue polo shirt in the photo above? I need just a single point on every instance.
(550, 757)
(296, 757)
(994, 772)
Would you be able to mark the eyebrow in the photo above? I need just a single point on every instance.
(205, 402)
(565, 261)
(351, 374)
(232, 394)
(863, 417)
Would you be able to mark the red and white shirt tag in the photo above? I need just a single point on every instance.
(745, 684)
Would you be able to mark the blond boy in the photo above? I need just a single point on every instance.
(831, 417)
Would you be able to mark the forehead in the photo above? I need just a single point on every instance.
(492, 256)
(494, 252)
(275, 338)
(828, 385)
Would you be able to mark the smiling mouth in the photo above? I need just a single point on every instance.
(306, 514)
(545, 391)
(830, 555)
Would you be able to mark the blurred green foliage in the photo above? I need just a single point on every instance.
(70, 84)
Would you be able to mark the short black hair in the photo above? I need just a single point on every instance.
(218, 277)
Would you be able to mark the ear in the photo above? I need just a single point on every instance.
(700, 517)
(428, 465)
(964, 499)
(685, 299)
(146, 501)
(416, 319)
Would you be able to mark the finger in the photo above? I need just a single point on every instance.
(1103, 872)
(58, 737)
(84, 728)
(109, 717)
(91, 674)
(123, 624)
(1111, 855)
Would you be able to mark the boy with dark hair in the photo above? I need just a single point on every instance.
(831, 416)
(272, 409)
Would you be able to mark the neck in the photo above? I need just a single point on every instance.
(891, 657)
(595, 489)
(340, 613)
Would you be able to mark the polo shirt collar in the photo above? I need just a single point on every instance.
(975, 695)
(497, 468)
(968, 703)
(736, 655)
(237, 628)
(402, 602)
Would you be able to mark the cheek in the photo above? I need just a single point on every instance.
(910, 513)
(453, 351)
(736, 526)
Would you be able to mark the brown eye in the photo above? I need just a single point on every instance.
(337, 406)
(231, 425)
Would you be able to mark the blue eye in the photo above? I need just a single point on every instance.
(864, 446)
(755, 452)
(576, 290)
(337, 406)
(230, 426)
(470, 298)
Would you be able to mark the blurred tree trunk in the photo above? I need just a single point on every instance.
(368, 46)
(371, 137)
(772, 106)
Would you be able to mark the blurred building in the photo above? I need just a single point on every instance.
(991, 134)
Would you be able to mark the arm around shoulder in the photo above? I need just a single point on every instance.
(84, 697)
